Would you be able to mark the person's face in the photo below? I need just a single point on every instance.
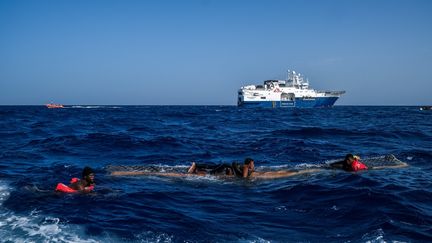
(90, 178)
(252, 166)
(350, 160)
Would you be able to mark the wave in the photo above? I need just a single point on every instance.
(34, 227)
(41, 147)
(37, 226)
(101, 141)
(314, 132)
(123, 140)
(21, 155)
(58, 140)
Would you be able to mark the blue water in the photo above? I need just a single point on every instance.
(40, 147)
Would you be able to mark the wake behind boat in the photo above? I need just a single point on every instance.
(293, 92)
(426, 108)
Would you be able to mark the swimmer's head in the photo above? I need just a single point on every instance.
(349, 158)
(250, 163)
(88, 174)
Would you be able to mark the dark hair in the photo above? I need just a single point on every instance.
(87, 171)
(248, 161)
(349, 156)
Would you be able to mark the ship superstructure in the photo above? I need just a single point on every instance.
(292, 92)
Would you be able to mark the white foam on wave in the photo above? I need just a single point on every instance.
(255, 239)
(193, 178)
(203, 178)
(4, 192)
(307, 165)
(149, 236)
(289, 167)
(39, 229)
(35, 227)
(165, 168)
(374, 236)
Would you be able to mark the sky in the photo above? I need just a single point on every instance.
(201, 52)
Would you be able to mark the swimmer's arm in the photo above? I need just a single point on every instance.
(245, 171)
(77, 186)
(403, 164)
(81, 186)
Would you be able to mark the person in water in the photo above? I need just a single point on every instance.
(235, 169)
(87, 183)
(247, 170)
(350, 163)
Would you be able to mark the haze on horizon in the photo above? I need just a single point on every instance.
(200, 52)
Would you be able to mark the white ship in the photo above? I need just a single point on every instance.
(293, 92)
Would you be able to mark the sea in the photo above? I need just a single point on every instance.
(41, 147)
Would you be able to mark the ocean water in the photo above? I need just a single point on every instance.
(40, 147)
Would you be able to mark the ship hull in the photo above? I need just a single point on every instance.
(297, 103)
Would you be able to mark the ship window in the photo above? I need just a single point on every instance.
(263, 97)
